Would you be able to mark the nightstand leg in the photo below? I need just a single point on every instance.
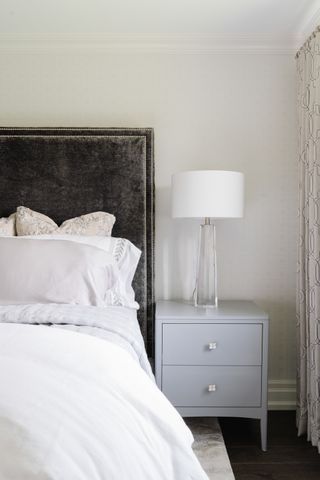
(263, 431)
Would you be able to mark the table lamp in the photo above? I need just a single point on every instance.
(207, 194)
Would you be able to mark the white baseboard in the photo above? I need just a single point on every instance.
(282, 394)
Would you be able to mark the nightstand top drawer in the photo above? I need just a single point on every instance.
(237, 310)
(214, 344)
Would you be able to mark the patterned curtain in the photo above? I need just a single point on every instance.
(308, 285)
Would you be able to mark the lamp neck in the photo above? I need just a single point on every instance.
(207, 221)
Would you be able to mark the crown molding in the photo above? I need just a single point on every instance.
(146, 43)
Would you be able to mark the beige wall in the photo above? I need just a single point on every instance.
(208, 111)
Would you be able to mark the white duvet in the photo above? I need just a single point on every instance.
(80, 402)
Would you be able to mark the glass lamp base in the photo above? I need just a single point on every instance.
(205, 294)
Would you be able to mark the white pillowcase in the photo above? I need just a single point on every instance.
(124, 253)
(55, 272)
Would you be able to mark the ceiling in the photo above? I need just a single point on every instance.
(277, 20)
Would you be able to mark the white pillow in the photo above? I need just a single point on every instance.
(125, 254)
(55, 272)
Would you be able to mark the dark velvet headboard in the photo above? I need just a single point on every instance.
(65, 172)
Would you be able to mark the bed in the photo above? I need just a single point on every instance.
(77, 395)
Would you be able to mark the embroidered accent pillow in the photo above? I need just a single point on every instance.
(8, 226)
(29, 222)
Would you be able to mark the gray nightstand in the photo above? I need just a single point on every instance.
(214, 362)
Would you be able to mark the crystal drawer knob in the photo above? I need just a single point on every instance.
(212, 388)
(212, 345)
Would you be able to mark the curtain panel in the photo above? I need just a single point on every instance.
(308, 272)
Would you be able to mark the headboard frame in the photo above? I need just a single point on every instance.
(66, 172)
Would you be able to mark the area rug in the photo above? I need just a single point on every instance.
(210, 448)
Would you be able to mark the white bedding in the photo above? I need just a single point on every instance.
(117, 324)
(77, 407)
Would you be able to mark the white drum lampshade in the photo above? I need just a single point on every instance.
(207, 194)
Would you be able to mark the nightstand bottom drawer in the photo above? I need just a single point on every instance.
(207, 386)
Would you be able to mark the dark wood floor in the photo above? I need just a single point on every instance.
(288, 457)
